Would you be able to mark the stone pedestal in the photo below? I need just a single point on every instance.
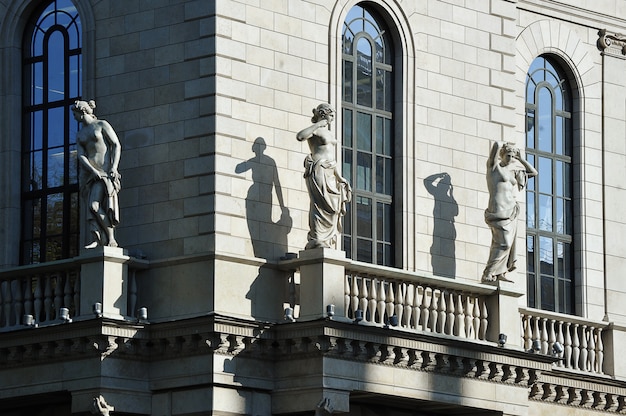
(322, 275)
(504, 309)
(104, 279)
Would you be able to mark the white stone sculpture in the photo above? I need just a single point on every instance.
(99, 152)
(99, 406)
(328, 190)
(507, 174)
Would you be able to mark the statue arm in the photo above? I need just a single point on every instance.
(308, 132)
(114, 143)
(492, 161)
(530, 170)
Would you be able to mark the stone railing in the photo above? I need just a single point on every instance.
(580, 339)
(407, 301)
(39, 291)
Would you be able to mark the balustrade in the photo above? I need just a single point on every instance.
(417, 306)
(39, 292)
(581, 340)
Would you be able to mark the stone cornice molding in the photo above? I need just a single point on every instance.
(323, 339)
(613, 44)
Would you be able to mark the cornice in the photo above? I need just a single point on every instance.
(321, 339)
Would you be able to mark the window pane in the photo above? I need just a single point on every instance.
(530, 128)
(56, 67)
(75, 70)
(347, 128)
(54, 217)
(545, 175)
(562, 179)
(364, 250)
(55, 167)
(545, 212)
(364, 171)
(559, 135)
(388, 91)
(380, 89)
(347, 81)
(364, 73)
(364, 217)
(547, 293)
(347, 165)
(36, 131)
(546, 255)
(56, 117)
(364, 131)
(545, 120)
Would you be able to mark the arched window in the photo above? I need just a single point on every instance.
(368, 145)
(549, 210)
(52, 76)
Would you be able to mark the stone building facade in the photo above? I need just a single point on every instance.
(206, 98)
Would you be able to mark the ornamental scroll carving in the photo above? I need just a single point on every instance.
(612, 43)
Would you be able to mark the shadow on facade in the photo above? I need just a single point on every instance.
(442, 250)
(268, 236)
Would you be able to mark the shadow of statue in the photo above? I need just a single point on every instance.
(268, 237)
(443, 250)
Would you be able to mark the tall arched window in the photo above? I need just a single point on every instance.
(549, 210)
(52, 76)
(368, 136)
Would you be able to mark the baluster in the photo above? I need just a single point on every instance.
(536, 333)
(469, 318)
(373, 300)
(575, 348)
(600, 352)
(354, 292)
(567, 345)
(28, 297)
(17, 299)
(363, 298)
(418, 307)
(47, 298)
(560, 340)
(451, 316)
(441, 322)
(38, 298)
(6, 298)
(58, 295)
(382, 296)
(528, 333)
(400, 296)
(551, 334)
(583, 348)
(484, 322)
(67, 291)
(433, 310)
(77, 293)
(389, 303)
(409, 304)
(544, 335)
(428, 292)
(460, 317)
(476, 319)
(591, 356)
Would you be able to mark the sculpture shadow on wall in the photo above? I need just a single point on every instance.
(443, 250)
(268, 236)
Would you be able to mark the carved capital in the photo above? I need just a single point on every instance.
(612, 43)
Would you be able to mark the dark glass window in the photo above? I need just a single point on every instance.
(368, 137)
(52, 77)
(549, 210)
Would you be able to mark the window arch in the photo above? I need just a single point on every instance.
(52, 67)
(368, 137)
(549, 198)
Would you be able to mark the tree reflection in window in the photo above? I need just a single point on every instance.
(52, 71)
(549, 210)
(368, 137)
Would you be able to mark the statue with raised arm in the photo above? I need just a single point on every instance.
(98, 158)
(507, 174)
(328, 190)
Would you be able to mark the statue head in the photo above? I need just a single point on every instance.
(84, 107)
(322, 111)
(508, 149)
